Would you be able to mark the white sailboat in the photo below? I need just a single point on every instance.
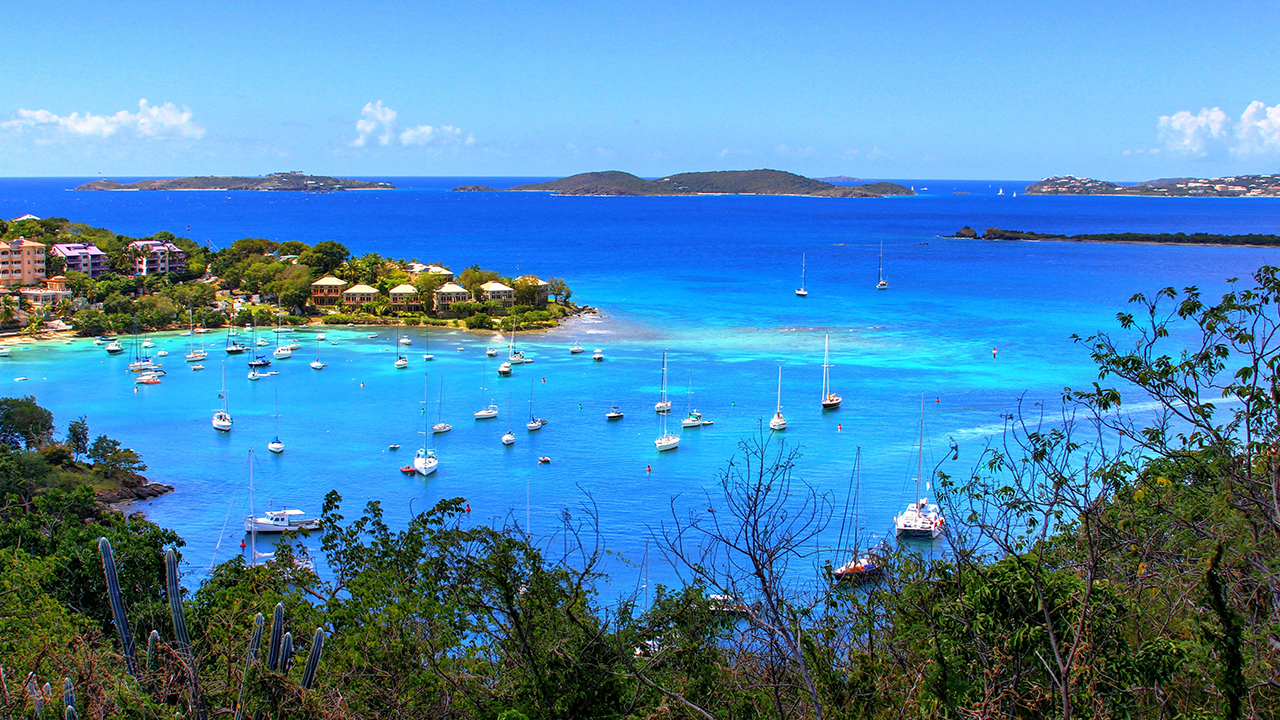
(692, 418)
(664, 404)
(426, 345)
(802, 292)
(276, 445)
(282, 351)
(489, 412)
(441, 426)
(667, 440)
(830, 400)
(778, 422)
(515, 357)
(509, 437)
(402, 362)
(921, 519)
(425, 461)
(221, 418)
(316, 364)
(883, 284)
(535, 422)
(194, 354)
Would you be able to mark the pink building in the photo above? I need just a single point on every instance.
(83, 257)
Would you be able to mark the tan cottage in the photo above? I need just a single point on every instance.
(327, 291)
(494, 290)
(448, 294)
(405, 297)
(359, 295)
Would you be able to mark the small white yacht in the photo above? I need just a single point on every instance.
(509, 438)
(598, 355)
(487, 413)
(425, 462)
(278, 521)
(576, 349)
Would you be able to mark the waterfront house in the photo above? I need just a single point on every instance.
(83, 257)
(542, 289)
(405, 297)
(327, 291)
(54, 291)
(494, 290)
(359, 295)
(156, 257)
(448, 294)
(21, 262)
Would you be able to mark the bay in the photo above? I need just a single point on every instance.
(711, 279)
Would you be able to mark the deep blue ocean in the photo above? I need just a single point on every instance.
(711, 279)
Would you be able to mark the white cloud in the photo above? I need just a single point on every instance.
(1259, 129)
(1257, 132)
(379, 122)
(154, 121)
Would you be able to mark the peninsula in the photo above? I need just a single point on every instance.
(289, 181)
(728, 182)
(1234, 186)
(1159, 238)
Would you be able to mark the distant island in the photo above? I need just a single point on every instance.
(992, 233)
(728, 182)
(285, 181)
(1234, 186)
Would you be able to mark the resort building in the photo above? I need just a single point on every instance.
(437, 271)
(415, 269)
(327, 291)
(21, 262)
(359, 295)
(542, 289)
(83, 257)
(448, 294)
(156, 257)
(494, 290)
(405, 297)
(54, 291)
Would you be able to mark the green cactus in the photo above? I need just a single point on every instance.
(68, 694)
(313, 660)
(117, 606)
(277, 634)
(254, 642)
(286, 652)
(180, 630)
(152, 641)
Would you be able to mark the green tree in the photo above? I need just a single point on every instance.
(78, 436)
(324, 257)
(23, 423)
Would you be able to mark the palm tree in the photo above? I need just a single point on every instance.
(8, 309)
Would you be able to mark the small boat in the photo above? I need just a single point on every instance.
(614, 413)
(20, 379)
(262, 342)
(405, 341)
(200, 330)
(147, 379)
(221, 418)
(162, 353)
(460, 349)
(441, 427)
(281, 329)
(575, 349)
(802, 292)
(504, 368)
(509, 438)
(487, 413)
(319, 336)
(114, 347)
(185, 333)
(259, 361)
(491, 352)
(197, 367)
(282, 353)
(544, 459)
(276, 445)
(317, 365)
(373, 335)
(148, 343)
(254, 374)
(778, 423)
(100, 340)
(4, 351)
(195, 356)
(598, 355)
(408, 469)
(292, 346)
(393, 446)
(278, 521)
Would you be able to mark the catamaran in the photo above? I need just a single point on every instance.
(921, 519)
(486, 413)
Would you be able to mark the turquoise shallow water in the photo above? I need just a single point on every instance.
(711, 279)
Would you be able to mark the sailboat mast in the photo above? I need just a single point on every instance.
(779, 388)
(253, 519)
(920, 461)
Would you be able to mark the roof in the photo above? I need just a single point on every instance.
(28, 216)
(22, 242)
(360, 289)
(437, 270)
(329, 280)
(493, 285)
(404, 288)
(452, 288)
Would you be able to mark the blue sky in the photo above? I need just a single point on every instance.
(1016, 90)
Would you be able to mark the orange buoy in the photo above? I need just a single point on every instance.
(241, 544)
(993, 353)
(361, 384)
(648, 468)
(839, 427)
(468, 507)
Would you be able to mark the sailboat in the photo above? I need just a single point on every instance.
(316, 364)
(402, 362)
(921, 519)
(830, 400)
(194, 354)
(883, 284)
(276, 445)
(282, 351)
(515, 357)
(864, 567)
(425, 462)
(486, 413)
(535, 422)
(802, 292)
(275, 521)
(667, 440)
(221, 418)
(508, 438)
(576, 348)
(258, 361)
(441, 426)
(778, 422)
(234, 347)
(141, 361)
(663, 405)
(692, 418)
(426, 345)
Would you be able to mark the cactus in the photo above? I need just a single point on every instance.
(180, 630)
(254, 642)
(286, 652)
(117, 606)
(313, 660)
(277, 633)
(33, 691)
(152, 641)
(71, 714)
(68, 694)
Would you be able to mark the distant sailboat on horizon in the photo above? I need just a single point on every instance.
(883, 284)
(802, 292)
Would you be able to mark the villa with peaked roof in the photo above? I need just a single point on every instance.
(494, 290)
(359, 295)
(405, 297)
(448, 294)
(327, 291)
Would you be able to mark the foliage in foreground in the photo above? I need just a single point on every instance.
(1102, 564)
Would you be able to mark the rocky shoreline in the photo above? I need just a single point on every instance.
(124, 495)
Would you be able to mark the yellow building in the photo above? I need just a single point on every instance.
(21, 262)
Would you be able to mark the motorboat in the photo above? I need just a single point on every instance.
(281, 353)
(441, 427)
(575, 349)
(197, 367)
(544, 459)
(148, 343)
(408, 469)
(504, 368)
(114, 347)
(162, 353)
(614, 413)
(393, 446)
(598, 355)
(509, 438)
(254, 374)
(278, 521)
(491, 352)
(405, 341)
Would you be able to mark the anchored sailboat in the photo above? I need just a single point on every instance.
(921, 519)
(778, 422)
(535, 422)
(802, 292)
(830, 400)
(425, 462)
(663, 405)
(883, 284)
(221, 418)
(276, 445)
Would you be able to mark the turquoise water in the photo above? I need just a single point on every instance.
(711, 279)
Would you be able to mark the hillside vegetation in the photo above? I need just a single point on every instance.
(727, 182)
(275, 181)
